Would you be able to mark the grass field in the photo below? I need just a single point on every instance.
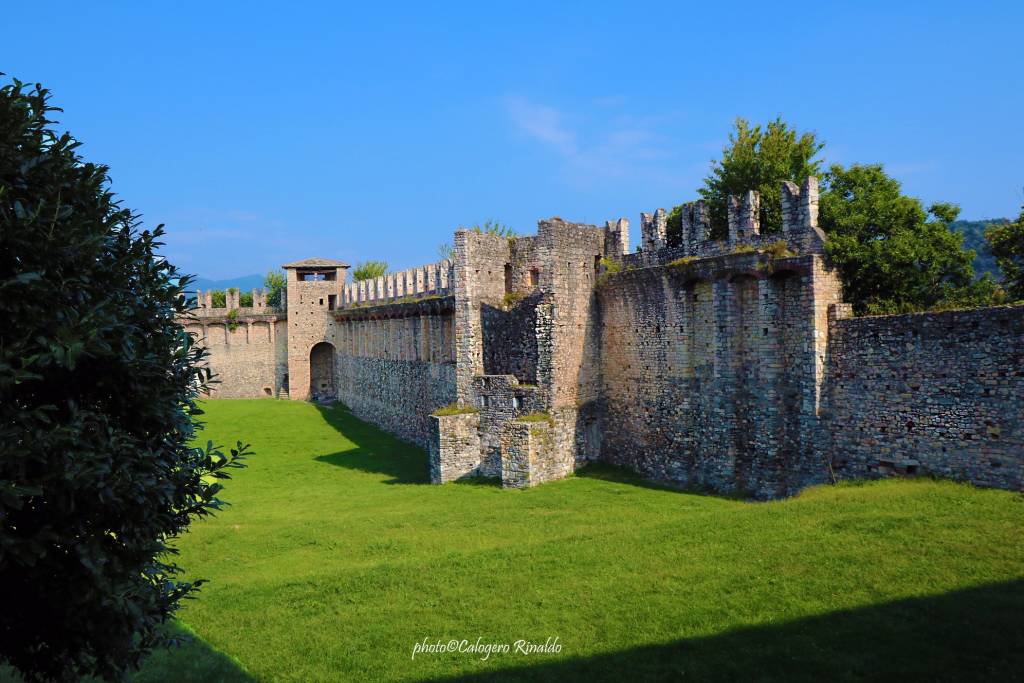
(336, 557)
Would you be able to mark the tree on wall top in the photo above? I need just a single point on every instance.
(892, 254)
(756, 158)
(97, 412)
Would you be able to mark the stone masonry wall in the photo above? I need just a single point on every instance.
(394, 364)
(709, 372)
(249, 361)
(454, 448)
(938, 393)
(510, 339)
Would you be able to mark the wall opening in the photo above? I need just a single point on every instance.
(321, 372)
(332, 301)
(534, 277)
(509, 286)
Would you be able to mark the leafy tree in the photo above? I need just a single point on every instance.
(245, 299)
(368, 270)
(1007, 244)
(98, 382)
(275, 284)
(218, 299)
(892, 254)
(758, 159)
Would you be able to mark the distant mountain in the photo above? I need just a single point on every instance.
(245, 283)
(974, 238)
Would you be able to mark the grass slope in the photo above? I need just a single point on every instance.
(336, 556)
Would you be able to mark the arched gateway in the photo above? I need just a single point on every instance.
(321, 372)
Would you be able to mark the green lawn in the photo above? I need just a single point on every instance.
(336, 557)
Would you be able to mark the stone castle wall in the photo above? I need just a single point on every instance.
(937, 393)
(394, 363)
(730, 365)
(248, 353)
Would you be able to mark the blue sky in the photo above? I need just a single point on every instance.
(263, 133)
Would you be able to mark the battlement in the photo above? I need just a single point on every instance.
(205, 309)
(434, 279)
(800, 230)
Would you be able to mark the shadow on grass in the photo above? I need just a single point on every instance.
(974, 634)
(376, 451)
(193, 660)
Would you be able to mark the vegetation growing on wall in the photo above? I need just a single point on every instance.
(454, 409)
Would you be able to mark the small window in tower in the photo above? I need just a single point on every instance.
(321, 302)
(332, 301)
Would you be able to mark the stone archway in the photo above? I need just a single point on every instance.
(321, 372)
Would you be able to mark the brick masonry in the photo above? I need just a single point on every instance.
(729, 365)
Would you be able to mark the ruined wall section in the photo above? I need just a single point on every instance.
(394, 363)
(928, 393)
(479, 279)
(568, 324)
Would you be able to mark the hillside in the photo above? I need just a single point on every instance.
(974, 238)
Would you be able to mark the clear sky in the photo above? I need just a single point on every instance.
(263, 133)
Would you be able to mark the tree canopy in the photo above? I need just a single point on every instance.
(892, 254)
(274, 284)
(98, 383)
(1007, 245)
(368, 270)
(756, 158)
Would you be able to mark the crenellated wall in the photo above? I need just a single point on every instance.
(709, 371)
(730, 365)
(248, 353)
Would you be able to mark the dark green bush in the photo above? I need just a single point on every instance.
(97, 388)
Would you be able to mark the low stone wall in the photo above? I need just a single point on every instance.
(937, 393)
(454, 448)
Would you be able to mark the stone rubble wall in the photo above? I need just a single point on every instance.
(454, 448)
(729, 365)
(510, 339)
(928, 393)
(709, 372)
(394, 364)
